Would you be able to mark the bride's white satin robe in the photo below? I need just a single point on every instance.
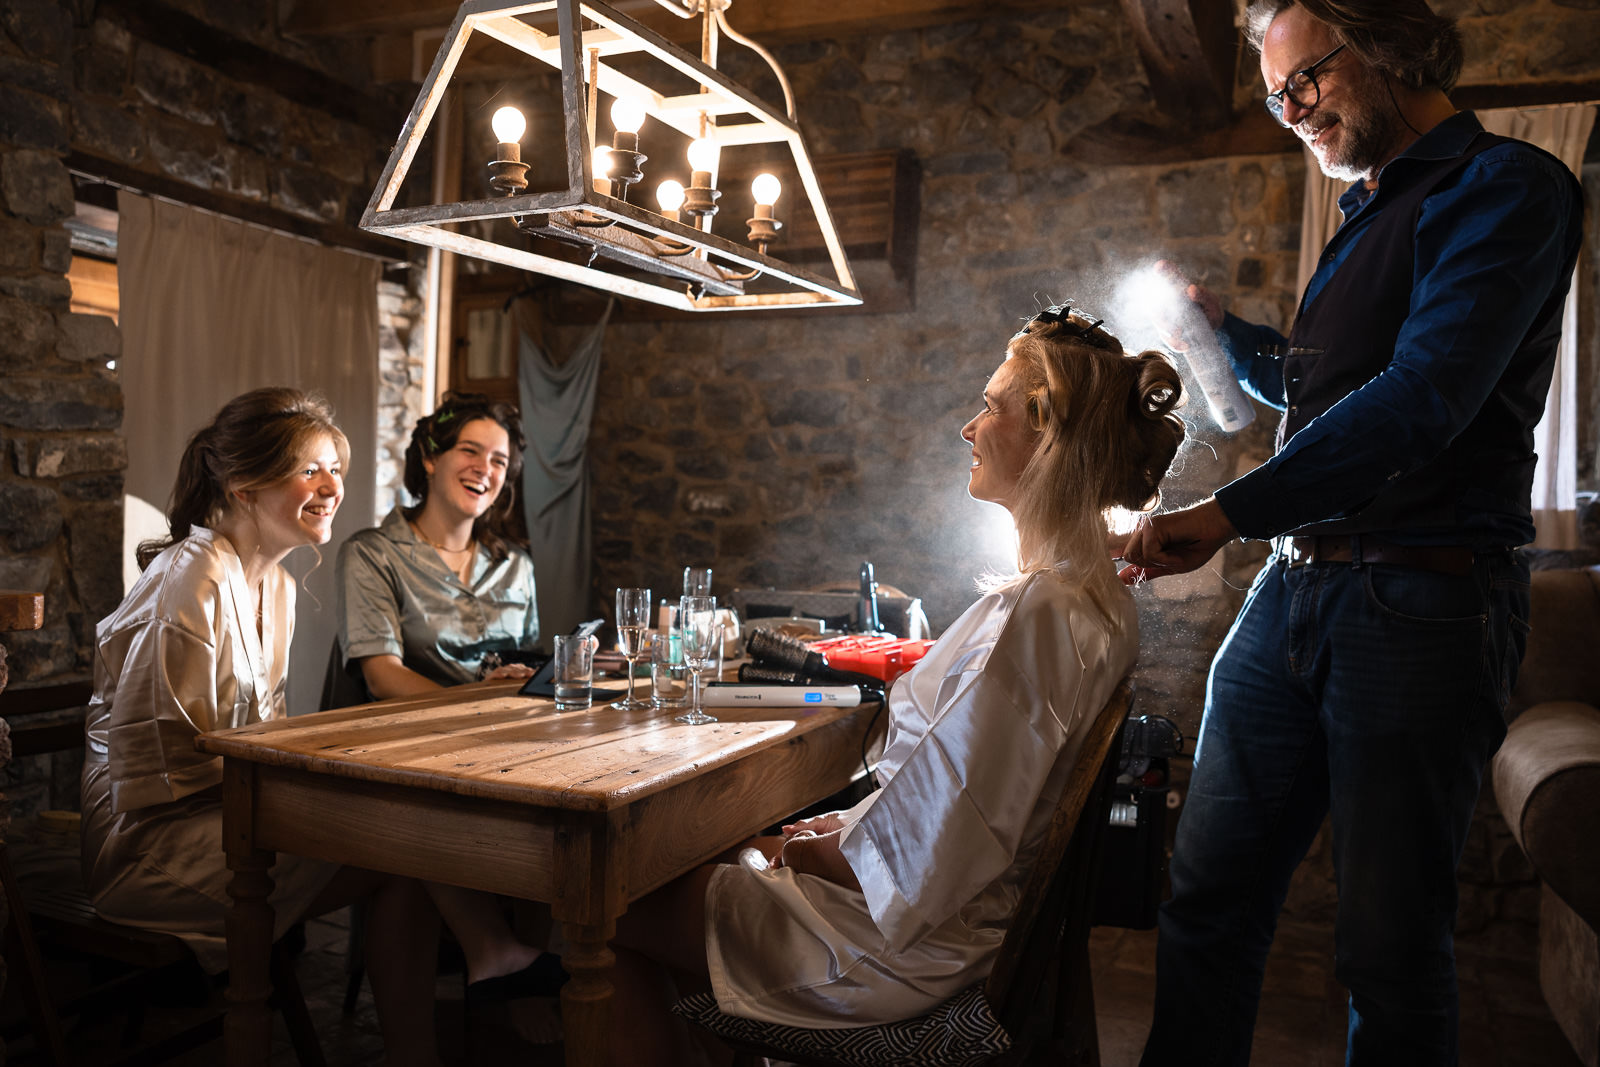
(982, 734)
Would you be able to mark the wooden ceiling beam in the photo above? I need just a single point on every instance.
(780, 22)
(395, 37)
(84, 161)
(1189, 48)
(763, 19)
(177, 31)
(359, 18)
(1525, 94)
(1120, 142)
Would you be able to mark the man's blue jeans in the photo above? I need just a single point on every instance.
(1372, 693)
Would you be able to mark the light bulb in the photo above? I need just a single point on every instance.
(601, 162)
(669, 194)
(703, 153)
(766, 189)
(509, 125)
(627, 114)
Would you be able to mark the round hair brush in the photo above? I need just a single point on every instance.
(772, 650)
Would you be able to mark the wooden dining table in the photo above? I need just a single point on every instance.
(480, 787)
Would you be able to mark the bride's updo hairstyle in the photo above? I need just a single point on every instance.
(1107, 434)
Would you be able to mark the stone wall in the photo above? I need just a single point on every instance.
(116, 82)
(400, 399)
(60, 407)
(1519, 41)
(149, 102)
(787, 448)
(96, 86)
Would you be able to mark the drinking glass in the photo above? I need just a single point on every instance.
(574, 671)
(701, 634)
(633, 619)
(697, 581)
(668, 673)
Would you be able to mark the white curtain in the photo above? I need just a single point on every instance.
(1319, 217)
(1563, 131)
(212, 307)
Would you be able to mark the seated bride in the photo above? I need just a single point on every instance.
(882, 912)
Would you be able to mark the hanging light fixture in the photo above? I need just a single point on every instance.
(671, 256)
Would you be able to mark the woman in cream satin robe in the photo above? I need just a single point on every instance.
(202, 643)
(881, 912)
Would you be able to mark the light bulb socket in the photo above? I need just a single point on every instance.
(700, 199)
(624, 141)
(508, 176)
(763, 228)
(510, 151)
(626, 164)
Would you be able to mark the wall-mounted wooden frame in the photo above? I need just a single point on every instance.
(483, 344)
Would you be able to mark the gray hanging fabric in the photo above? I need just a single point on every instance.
(557, 406)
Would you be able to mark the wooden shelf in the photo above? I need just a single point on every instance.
(20, 610)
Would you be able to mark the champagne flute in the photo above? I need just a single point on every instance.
(702, 648)
(697, 581)
(633, 619)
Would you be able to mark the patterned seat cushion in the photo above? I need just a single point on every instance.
(961, 1031)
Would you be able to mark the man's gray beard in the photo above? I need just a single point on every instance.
(1362, 156)
(1343, 173)
(1372, 127)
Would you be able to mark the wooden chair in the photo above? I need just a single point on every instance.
(1039, 992)
(54, 911)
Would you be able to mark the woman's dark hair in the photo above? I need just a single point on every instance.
(437, 433)
(1403, 38)
(258, 439)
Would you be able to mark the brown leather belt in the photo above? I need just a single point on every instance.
(1445, 559)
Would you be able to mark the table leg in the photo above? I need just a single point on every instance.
(586, 998)
(247, 1034)
(249, 1024)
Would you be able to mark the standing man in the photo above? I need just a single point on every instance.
(1367, 672)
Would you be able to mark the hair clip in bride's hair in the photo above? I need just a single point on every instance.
(1061, 315)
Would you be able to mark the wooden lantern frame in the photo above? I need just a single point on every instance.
(697, 281)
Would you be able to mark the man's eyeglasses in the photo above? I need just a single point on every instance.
(1301, 87)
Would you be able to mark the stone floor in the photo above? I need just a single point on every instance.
(1505, 1022)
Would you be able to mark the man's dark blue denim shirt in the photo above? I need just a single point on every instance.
(1491, 245)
